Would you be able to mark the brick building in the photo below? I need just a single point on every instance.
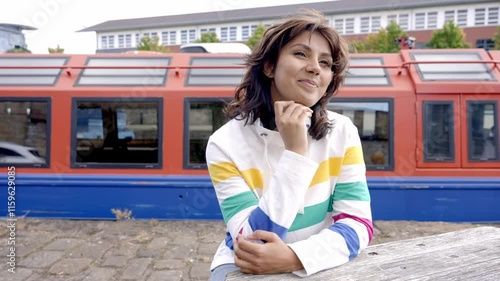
(352, 18)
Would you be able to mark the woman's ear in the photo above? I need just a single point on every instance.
(268, 70)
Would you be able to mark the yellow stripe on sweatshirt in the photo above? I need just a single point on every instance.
(353, 155)
(225, 170)
(331, 167)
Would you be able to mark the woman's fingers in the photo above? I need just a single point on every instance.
(291, 121)
(281, 106)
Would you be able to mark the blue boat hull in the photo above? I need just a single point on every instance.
(192, 197)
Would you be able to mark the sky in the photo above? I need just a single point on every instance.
(57, 21)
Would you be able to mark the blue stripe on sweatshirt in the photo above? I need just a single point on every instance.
(350, 236)
(259, 220)
(229, 241)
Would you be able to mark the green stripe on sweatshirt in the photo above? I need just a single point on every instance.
(234, 204)
(312, 215)
(357, 191)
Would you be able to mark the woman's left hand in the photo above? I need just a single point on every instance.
(274, 256)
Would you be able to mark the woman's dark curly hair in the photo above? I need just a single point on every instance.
(252, 99)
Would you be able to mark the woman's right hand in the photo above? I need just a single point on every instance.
(291, 123)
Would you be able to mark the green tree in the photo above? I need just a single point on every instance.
(18, 51)
(496, 39)
(357, 47)
(208, 37)
(384, 41)
(449, 37)
(151, 44)
(256, 36)
(56, 50)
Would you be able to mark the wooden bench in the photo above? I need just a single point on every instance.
(472, 254)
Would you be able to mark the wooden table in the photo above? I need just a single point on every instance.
(472, 255)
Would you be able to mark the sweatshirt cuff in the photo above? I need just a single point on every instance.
(303, 250)
(300, 166)
(302, 169)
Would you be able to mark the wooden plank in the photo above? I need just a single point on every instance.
(472, 254)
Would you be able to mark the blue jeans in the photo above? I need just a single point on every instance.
(219, 273)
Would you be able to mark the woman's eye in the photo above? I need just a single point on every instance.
(326, 63)
(300, 54)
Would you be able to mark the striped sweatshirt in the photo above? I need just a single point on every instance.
(319, 204)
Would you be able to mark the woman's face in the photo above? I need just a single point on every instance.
(303, 71)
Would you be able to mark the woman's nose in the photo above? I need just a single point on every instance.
(313, 67)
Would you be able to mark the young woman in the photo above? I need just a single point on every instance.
(293, 195)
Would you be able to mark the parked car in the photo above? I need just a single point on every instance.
(14, 153)
(216, 48)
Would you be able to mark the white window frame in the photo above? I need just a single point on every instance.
(121, 40)
(128, 40)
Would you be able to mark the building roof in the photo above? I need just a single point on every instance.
(274, 12)
(17, 27)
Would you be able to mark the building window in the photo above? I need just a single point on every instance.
(482, 130)
(419, 21)
(224, 34)
(365, 24)
(480, 15)
(431, 20)
(111, 41)
(164, 37)
(245, 32)
(345, 26)
(192, 36)
(486, 44)
(184, 36)
(121, 41)
(339, 25)
(206, 30)
(349, 26)
(492, 15)
(252, 29)
(173, 37)
(373, 120)
(438, 131)
(458, 17)
(116, 133)
(104, 42)
(205, 117)
(137, 39)
(24, 132)
(392, 18)
(375, 24)
(449, 16)
(462, 18)
(403, 21)
(232, 33)
(426, 20)
(128, 40)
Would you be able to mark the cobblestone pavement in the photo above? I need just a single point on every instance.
(142, 250)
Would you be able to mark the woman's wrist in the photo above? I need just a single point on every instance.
(295, 263)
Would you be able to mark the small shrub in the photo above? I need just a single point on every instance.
(122, 215)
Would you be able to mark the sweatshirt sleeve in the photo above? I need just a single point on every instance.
(242, 210)
(352, 228)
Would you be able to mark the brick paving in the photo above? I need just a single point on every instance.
(139, 250)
